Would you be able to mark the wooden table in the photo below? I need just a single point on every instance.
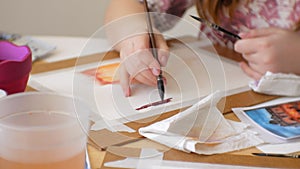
(247, 98)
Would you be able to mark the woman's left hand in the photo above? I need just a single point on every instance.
(269, 49)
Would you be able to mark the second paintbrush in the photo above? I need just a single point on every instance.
(160, 81)
(217, 27)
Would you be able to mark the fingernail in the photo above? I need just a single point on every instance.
(243, 34)
(127, 92)
(155, 71)
(163, 60)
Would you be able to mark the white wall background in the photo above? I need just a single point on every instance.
(52, 17)
(62, 17)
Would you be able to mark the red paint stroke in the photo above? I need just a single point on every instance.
(154, 104)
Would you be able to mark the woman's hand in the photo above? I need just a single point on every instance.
(137, 61)
(269, 49)
(125, 20)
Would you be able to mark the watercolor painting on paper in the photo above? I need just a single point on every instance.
(282, 120)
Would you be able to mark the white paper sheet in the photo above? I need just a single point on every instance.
(154, 160)
(191, 74)
(168, 164)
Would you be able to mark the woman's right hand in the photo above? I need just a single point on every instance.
(269, 49)
(138, 63)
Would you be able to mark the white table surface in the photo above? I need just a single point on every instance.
(70, 47)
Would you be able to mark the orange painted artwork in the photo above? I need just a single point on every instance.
(105, 74)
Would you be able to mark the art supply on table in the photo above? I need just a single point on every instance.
(49, 129)
(278, 155)
(39, 48)
(275, 123)
(160, 81)
(15, 67)
(216, 27)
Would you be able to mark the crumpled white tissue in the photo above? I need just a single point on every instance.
(202, 129)
(277, 84)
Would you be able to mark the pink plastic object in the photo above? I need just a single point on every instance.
(15, 67)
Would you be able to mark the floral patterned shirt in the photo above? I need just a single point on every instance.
(250, 14)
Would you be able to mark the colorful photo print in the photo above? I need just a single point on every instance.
(282, 120)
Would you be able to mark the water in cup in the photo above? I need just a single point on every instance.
(43, 138)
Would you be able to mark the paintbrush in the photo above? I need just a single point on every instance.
(160, 82)
(216, 27)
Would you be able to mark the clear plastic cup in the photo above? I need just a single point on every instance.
(43, 131)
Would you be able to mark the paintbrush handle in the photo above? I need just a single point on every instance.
(160, 82)
(150, 31)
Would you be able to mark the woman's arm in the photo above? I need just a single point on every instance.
(127, 29)
(123, 18)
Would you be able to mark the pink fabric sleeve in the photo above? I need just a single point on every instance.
(167, 12)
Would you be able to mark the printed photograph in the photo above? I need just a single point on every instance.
(282, 120)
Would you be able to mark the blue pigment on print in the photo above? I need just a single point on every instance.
(262, 117)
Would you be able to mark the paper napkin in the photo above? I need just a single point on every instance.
(202, 129)
(277, 84)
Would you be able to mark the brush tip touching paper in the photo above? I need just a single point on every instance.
(160, 86)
